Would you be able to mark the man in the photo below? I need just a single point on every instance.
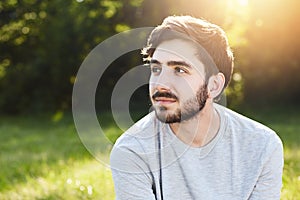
(191, 147)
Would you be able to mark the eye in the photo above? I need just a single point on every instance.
(180, 70)
(155, 69)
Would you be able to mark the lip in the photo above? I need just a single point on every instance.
(164, 100)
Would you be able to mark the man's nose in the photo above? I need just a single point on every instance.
(163, 81)
(162, 87)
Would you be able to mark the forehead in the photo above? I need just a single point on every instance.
(178, 50)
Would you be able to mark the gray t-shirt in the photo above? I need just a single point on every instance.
(243, 161)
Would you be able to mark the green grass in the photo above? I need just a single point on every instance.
(43, 158)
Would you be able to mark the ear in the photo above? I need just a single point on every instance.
(215, 85)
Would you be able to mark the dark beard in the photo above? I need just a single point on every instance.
(190, 108)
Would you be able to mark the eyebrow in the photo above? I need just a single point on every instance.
(181, 63)
(153, 61)
(171, 63)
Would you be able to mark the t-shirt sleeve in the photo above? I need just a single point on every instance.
(131, 174)
(269, 183)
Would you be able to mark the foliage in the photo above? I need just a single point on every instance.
(43, 43)
(271, 67)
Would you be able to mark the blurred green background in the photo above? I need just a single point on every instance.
(43, 43)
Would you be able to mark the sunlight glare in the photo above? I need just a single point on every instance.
(259, 23)
(243, 2)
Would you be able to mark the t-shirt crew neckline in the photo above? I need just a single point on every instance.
(201, 152)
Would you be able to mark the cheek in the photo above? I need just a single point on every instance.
(153, 82)
(150, 90)
(188, 86)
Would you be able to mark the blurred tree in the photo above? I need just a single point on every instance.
(272, 70)
(43, 43)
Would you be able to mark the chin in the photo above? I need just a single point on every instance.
(168, 116)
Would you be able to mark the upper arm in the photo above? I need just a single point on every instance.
(131, 175)
(269, 183)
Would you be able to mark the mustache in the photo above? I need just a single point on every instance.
(164, 94)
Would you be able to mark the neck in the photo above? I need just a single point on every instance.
(199, 130)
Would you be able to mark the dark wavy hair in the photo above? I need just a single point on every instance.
(210, 40)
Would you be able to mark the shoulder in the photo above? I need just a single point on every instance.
(138, 133)
(239, 121)
(133, 145)
(249, 132)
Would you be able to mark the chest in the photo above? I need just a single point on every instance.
(222, 174)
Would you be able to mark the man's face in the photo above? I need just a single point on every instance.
(177, 83)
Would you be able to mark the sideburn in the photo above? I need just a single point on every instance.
(202, 96)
